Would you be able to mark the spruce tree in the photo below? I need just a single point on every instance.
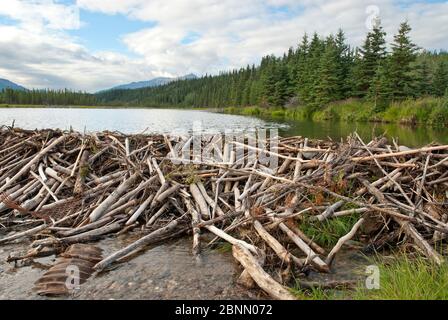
(301, 73)
(440, 83)
(381, 89)
(423, 81)
(403, 54)
(344, 62)
(373, 53)
(309, 89)
(328, 85)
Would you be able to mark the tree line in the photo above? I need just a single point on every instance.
(319, 71)
(47, 97)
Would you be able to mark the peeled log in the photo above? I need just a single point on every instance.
(142, 242)
(261, 277)
(112, 198)
(26, 167)
(281, 252)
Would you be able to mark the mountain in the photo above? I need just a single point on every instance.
(8, 84)
(156, 82)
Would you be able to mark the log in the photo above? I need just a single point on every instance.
(278, 248)
(36, 159)
(197, 196)
(261, 277)
(140, 210)
(311, 255)
(399, 154)
(112, 198)
(343, 240)
(139, 244)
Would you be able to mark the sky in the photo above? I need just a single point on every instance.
(91, 45)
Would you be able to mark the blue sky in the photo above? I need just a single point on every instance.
(103, 32)
(95, 44)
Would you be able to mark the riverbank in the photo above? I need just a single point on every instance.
(426, 111)
(286, 223)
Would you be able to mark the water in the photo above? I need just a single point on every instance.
(128, 120)
(172, 121)
(167, 271)
(404, 135)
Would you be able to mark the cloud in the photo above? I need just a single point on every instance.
(40, 14)
(199, 36)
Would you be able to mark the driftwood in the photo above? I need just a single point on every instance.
(263, 279)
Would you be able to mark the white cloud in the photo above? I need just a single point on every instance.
(38, 52)
(40, 14)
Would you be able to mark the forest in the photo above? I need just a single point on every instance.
(319, 71)
(47, 97)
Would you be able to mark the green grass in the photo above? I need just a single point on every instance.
(223, 247)
(327, 233)
(408, 279)
(257, 111)
(403, 279)
(429, 111)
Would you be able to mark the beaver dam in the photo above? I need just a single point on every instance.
(61, 192)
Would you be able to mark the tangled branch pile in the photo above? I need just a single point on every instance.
(63, 188)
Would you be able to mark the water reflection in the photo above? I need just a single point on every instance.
(404, 135)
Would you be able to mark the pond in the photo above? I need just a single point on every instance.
(175, 120)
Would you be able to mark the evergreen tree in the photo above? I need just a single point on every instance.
(344, 62)
(308, 92)
(317, 72)
(440, 84)
(423, 81)
(372, 52)
(328, 85)
(403, 54)
(301, 73)
(381, 89)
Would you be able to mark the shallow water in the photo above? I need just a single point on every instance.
(168, 271)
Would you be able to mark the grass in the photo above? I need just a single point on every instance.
(257, 111)
(404, 279)
(408, 279)
(327, 233)
(223, 247)
(430, 111)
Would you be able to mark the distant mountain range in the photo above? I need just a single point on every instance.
(4, 83)
(156, 82)
(8, 84)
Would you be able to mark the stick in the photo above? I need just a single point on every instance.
(142, 242)
(263, 279)
(26, 167)
(113, 197)
(343, 240)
